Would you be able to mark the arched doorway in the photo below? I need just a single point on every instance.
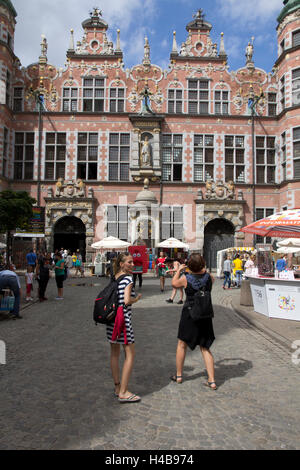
(70, 234)
(218, 235)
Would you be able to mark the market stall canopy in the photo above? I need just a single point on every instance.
(109, 243)
(240, 248)
(283, 224)
(288, 249)
(295, 242)
(173, 243)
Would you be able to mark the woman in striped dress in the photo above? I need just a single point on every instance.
(126, 296)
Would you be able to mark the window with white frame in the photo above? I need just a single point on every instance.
(93, 94)
(117, 222)
(70, 99)
(117, 100)
(296, 87)
(221, 101)
(261, 213)
(198, 96)
(235, 158)
(24, 155)
(87, 156)
(296, 152)
(265, 159)
(5, 151)
(55, 155)
(18, 99)
(172, 222)
(203, 157)
(272, 105)
(119, 150)
(175, 101)
(296, 38)
(283, 155)
(172, 157)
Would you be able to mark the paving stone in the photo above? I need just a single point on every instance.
(57, 391)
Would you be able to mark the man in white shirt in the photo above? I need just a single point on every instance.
(10, 280)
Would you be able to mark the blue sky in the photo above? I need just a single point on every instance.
(156, 19)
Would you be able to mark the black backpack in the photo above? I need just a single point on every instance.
(106, 303)
(201, 306)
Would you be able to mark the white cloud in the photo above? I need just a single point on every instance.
(250, 12)
(56, 18)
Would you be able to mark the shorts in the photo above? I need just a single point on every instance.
(60, 281)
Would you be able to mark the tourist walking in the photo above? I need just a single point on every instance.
(238, 270)
(78, 264)
(69, 264)
(59, 276)
(42, 275)
(173, 268)
(227, 270)
(160, 262)
(126, 297)
(10, 280)
(29, 282)
(193, 333)
(31, 259)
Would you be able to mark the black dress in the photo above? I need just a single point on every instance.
(195, 333)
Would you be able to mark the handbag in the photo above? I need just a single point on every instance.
(7, 301)
(201, 306)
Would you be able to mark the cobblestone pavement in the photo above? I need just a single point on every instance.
(57, 393)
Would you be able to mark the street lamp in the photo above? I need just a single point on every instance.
(39, 95)
(252, 102)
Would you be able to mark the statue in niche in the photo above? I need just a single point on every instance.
(145, 152)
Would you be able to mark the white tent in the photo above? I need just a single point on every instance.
(110, 243)
(289, 249)
(293, 242)
(173, 243)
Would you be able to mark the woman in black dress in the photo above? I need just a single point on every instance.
(194, 333)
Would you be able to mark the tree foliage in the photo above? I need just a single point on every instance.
(15, 210)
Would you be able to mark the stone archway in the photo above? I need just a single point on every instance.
(69, 233)
(218, 235)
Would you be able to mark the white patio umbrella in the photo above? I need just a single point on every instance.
(293, 242)
(2, 245)
(288, 249)
(109, 243)
(173, 243)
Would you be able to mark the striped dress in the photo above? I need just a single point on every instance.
(127, 314)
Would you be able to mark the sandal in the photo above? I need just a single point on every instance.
(209, 384)
(176, 377)
(132, 399)
(116, 394)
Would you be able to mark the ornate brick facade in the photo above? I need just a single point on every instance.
(188, 131)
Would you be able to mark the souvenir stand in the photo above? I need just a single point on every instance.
(275, 294)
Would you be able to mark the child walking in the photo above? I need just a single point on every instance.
(29, 283)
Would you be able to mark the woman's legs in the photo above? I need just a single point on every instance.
(162, 282)
(127, 369)
(114, 364)
(180, 357)
(209, 364)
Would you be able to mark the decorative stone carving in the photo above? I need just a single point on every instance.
(69, 189)
(220, 190)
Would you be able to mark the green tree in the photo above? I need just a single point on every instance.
(15, 212)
